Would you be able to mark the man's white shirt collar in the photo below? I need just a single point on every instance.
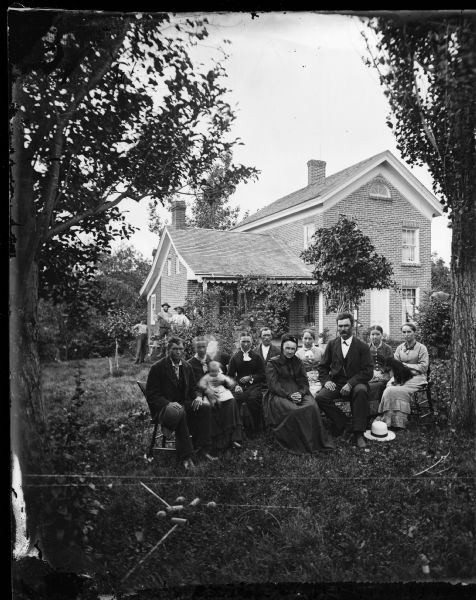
(345, 347)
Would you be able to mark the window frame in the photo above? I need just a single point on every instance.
(177, 265)
(169, 267)
(416, 246)
(306, 237)
(310, 308)
(406, 316)
(377, 194)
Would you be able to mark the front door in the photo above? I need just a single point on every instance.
(380, 309)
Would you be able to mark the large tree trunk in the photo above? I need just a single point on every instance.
(27, 414)
(463, 318)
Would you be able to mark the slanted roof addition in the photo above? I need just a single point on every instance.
(216, 254)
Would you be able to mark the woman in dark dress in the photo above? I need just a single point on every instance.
(380, 352)
(289, 408)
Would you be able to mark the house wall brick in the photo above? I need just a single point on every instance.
(382, 221)
(293, 233)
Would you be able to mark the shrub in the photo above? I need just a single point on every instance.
(207, 319)
(435, 325)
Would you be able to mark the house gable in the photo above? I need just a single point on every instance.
(309, 201)
(160, 262)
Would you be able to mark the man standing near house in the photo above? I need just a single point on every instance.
(247, 368)
(345, 371)
(179, 319)
(140, 331)
(164, 320)
(171, 387)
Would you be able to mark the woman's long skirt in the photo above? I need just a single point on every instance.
(226, 426)
(394, 406)
(376, 389)
(298, 427)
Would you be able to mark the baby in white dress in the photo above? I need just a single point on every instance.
(218, 381)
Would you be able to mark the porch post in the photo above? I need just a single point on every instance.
(321, 313)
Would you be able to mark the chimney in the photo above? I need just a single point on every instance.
(316, 171)
(178, 214)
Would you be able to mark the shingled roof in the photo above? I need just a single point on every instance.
(217, 254)
(310, 191)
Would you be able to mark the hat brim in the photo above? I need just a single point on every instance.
(165, 304)
(388, 438)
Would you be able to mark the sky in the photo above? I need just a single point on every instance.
(301, 91)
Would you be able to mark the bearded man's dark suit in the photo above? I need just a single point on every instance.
(163, 387)
(356, 369)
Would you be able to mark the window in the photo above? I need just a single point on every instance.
(228, 300)
(410, 241)
(169, 266)
(380, 190)
(309, 230)
(177, 266)
(409, 302)
(310, 308)
(153, 305)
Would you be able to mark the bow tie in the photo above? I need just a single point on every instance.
(246, 356)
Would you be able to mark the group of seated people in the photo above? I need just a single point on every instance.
(210, 401)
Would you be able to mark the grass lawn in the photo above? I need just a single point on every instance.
(351, 515)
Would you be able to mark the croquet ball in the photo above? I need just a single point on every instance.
(211, 504)
(194, 502)
(180, 499)
(161, 514)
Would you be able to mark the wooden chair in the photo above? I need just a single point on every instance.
(163, 443)
(421, 404)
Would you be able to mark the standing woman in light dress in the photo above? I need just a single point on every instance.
(395, 403)
(311, 355)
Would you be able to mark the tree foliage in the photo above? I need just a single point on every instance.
(104, 107)
(75, 328)
(428, 70)
(263, 302)
(107, 108)
(440, 275)
(210, 207)
(345, 265)
(434, 323)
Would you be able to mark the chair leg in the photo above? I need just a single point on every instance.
(152, 441)
(430, 402)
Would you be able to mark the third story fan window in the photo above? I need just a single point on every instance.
(379, 190)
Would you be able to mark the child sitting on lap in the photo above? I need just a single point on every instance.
(217, 381)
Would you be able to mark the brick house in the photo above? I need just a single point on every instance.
(389, 205)
(189, 259)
